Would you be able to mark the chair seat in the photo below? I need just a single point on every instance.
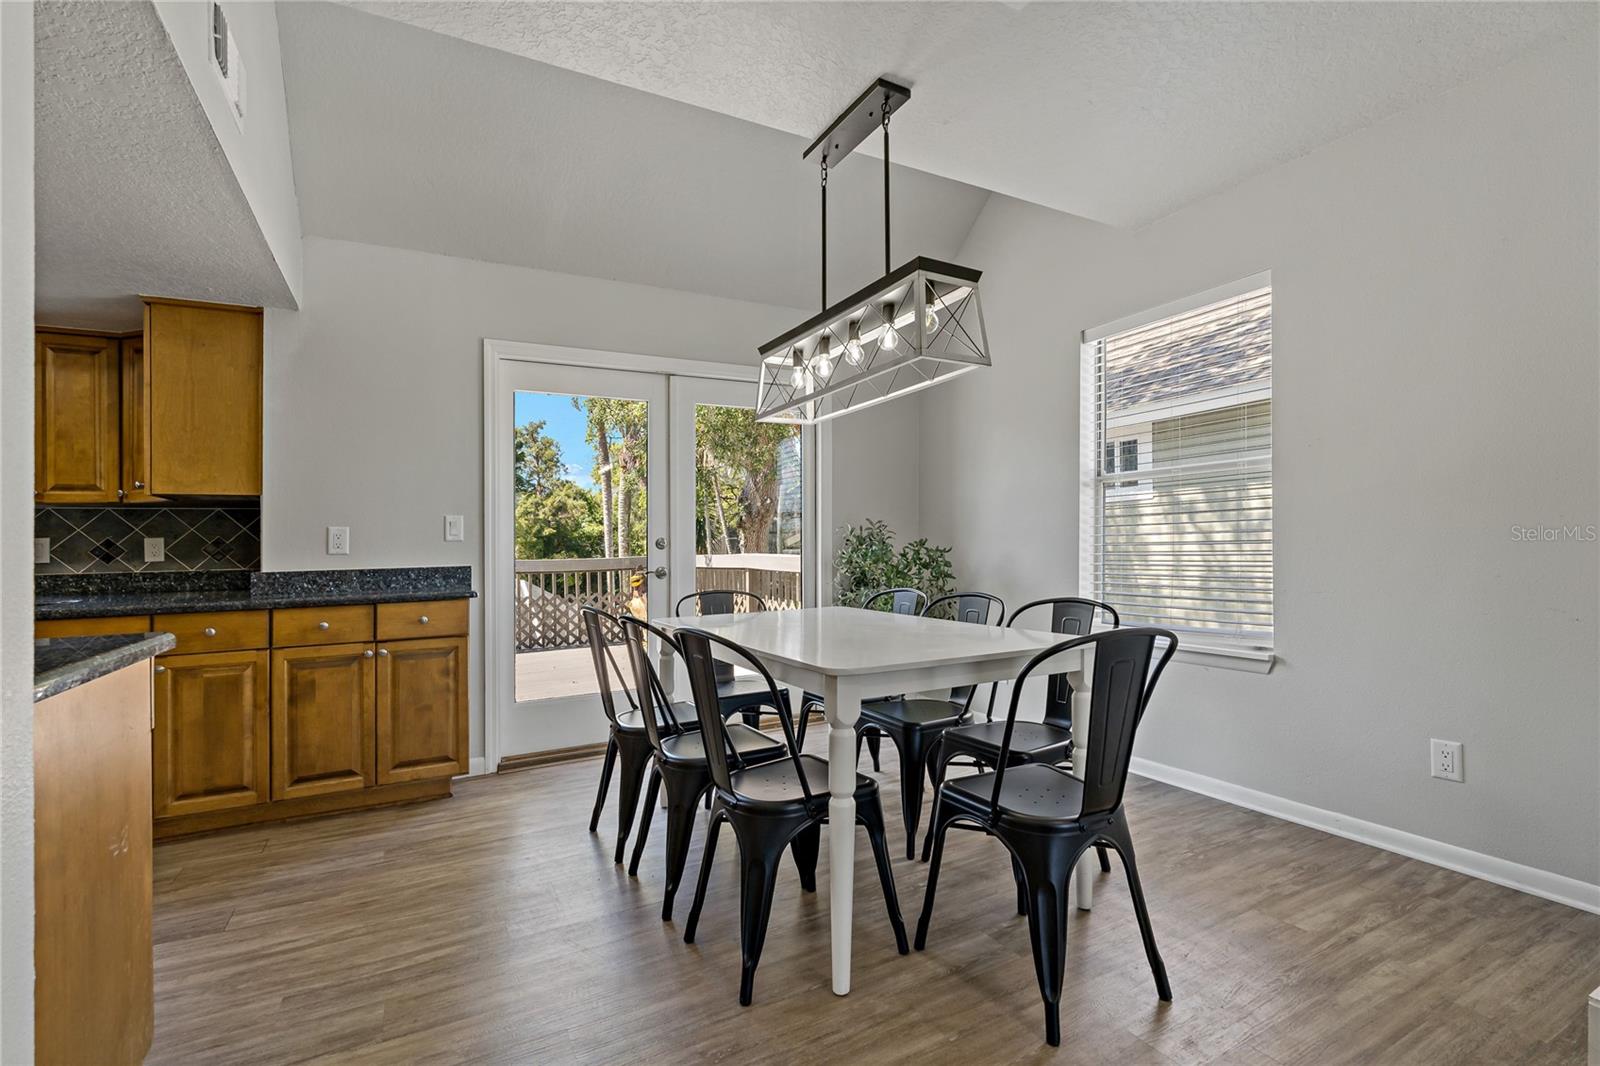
(913, 712)
(1033, 794)
(777, 784)
(745, 691)
(632, 721)
(1025, 737)
(749, 743)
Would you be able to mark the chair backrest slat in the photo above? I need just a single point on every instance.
(899, 601)
(978, 608)
(1123, 681)
(695, 644)
(720, 601)
(594, 623)
(647, 688)
(1070, 616)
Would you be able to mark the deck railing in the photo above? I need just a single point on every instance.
(551, 593)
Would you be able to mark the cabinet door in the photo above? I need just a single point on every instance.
(211, 749)
(322, 720)
(204, 369)
(135, 422)
(422, 709)
(75, 419)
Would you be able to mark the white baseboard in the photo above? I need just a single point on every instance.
(1552, 886)
(475, 766)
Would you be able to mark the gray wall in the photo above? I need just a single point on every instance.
(16, 520)
(374, 398)
(1435, 384)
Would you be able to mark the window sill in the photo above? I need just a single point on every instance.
(1224, 656)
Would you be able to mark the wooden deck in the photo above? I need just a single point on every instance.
(543, 675)
(492, 927)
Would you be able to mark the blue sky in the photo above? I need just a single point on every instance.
(566, 424)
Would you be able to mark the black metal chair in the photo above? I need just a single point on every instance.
(740, 695)
(680, 757)
(782, 804)
(897, 601)
(1046, 818)
(915, 724)
(628, 740)
(1049, 741)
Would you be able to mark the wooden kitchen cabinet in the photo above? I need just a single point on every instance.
(135, 435)
(322, 720)
(422, 709)
(211, 729)
(76, 421)
(202, 368)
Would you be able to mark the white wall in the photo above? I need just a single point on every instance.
(16, 524)
(374, 397)
(1435, 383)
(258, 150)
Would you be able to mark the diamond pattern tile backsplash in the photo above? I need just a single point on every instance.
(111, 540)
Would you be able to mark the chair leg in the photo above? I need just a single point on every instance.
(869, 813)
(752, 717)
(938, 829)
(1105, 860)
(760, 847)
(936, 767)
(874, 742)
(605, 782)
(634, 755)
(1022, 885)
(683, 795)
(705, 876)
(804, 847)
(650, 793)
(1046, 875)
(912, 745)
(1158, 969)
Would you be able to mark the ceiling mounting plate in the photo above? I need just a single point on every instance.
(863, 117)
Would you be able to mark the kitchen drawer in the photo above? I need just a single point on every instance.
(429, 618)
(217, 631)
(321, 625)
(91, 627)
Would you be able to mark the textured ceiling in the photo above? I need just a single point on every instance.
(133, 193)
(1119, 112)
(411, 139)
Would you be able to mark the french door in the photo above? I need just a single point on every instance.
(625, 489)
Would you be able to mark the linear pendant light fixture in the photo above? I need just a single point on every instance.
(916, 326)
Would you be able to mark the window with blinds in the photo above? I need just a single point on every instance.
(1182, 398)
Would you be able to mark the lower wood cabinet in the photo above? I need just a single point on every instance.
(323, 729)
(422, 709)
(211, 728)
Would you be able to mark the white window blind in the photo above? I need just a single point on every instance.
(1183, 395)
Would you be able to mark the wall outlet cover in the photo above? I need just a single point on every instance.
(338, 540)
(455, 527)
(41, 549)
(1445, 760)
(155, 549)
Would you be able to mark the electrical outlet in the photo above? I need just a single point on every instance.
(1446, 759)
(455, 527)
(41, 549)
(155, 549)
(338, 540)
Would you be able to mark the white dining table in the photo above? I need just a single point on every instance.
(848, 655)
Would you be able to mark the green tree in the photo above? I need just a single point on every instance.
(616, 429)
(537, 459)
(561, 524)
(738, 473)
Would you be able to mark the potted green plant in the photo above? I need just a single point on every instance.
(866, 562)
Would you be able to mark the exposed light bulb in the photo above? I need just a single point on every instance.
(930, 317)
(852, 347)
(797, 376)
(889, 339)
(822, 361)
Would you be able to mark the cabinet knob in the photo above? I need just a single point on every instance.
(121, 494)
(210, 631)
(138, 484)
(161, 669)
(367, 654)
(322, 625)
(384, 652)
(423, 620)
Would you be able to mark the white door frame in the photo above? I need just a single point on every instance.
(499, 675)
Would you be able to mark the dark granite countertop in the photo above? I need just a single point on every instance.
(67, 662)
(119, 594)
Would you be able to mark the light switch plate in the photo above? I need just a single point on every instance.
(455, 527)
(338, 540)
(41, 549)
(155, 549)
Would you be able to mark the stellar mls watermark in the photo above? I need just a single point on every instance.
(1549, 534)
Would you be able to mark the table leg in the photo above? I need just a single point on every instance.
(664, 666)
(1078, 678)
(843, 707)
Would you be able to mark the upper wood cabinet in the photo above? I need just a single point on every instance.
(135, 426)
(202, 365)
(75, 412)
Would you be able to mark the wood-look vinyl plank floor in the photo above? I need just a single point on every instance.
(492, 927)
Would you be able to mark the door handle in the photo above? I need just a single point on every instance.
(661, 571)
